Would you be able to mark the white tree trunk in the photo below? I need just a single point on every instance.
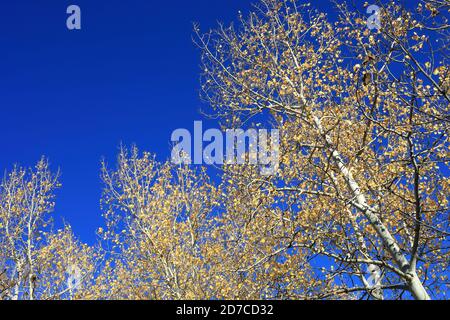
(413, 282)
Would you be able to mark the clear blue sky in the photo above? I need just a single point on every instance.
(130, 75)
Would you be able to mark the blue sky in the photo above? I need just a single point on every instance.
(131, 75)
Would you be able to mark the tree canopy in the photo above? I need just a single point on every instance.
(357, 208)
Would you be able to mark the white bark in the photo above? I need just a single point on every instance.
(413, 282)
